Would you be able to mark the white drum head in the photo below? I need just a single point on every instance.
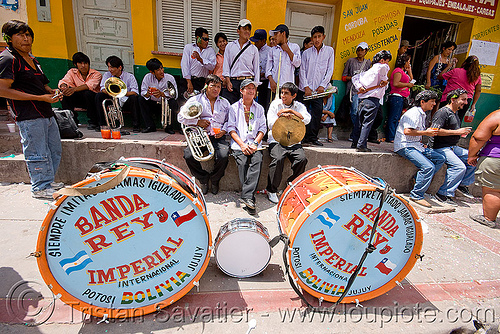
(243, 253)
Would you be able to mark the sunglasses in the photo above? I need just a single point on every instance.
(206, 39)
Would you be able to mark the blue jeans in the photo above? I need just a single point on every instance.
(367, 111)
(394, 113)
(354, 112)
(428, 163)
(42, 150)
(458, 172)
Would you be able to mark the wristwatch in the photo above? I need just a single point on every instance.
(256, 143)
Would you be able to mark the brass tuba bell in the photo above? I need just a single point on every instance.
(197, 138)
(116, 88)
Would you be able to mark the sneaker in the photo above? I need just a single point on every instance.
(482, 220)
(273, 197)
(248, 202)
(464, 191)
(363, 149)
(421, 202)
(43, 194)
(57, 185)
(446, 199)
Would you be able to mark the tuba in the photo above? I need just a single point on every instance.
(112, 110)
(166, 112)
(197, 138)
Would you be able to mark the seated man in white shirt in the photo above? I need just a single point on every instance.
(285, 107)
(247, 126)
(407, 143)
(129, 101)
(213, 120)
(154, 88)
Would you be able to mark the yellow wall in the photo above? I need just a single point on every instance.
(266, 14)
(54, 39)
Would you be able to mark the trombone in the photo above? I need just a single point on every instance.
(116, 88)
(197, 138)
(316, 95)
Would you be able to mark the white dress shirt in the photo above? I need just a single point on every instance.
(370, 78)
(414, 118)
(128, 79)
(247, 132)
(247, 64)
(316, 68)
(217, 119)
(151, 81)
(192, 67)
(288, 66)
(272, 115)
(263, 52)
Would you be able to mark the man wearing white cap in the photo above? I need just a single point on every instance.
(241, 61)
(283, 58)
(352, 67)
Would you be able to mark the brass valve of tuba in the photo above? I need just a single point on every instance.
(197, 138)
(116, 88)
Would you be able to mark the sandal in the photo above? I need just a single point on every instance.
(330, 140)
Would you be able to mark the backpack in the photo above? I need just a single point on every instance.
(67, 126)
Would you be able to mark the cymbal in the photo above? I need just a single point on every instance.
(289, 130)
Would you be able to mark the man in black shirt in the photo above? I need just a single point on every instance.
(24, 85)
(459, 174)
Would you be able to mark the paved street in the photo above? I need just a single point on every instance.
(457, 280)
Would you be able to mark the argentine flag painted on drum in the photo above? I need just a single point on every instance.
(75, 263)
(328, 218)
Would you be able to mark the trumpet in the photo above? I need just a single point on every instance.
(197, 138)
(316, 95)
(112, 110)
(166, 112)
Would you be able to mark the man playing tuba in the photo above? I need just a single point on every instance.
(155, 88)
(213, 119)
(127, 102)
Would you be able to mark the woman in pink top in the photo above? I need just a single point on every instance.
(220, 40)
(400, 90)
(467, 77)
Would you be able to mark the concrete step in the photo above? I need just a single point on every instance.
(80, 155)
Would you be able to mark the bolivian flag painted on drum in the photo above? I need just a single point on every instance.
(117, 252)
(329, 213)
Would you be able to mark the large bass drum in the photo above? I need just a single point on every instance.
(328, 214)
(129, 250)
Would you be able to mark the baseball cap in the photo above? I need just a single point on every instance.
(404, 42)
(259, 35)
(244, 23)
(247, 82)
(362, 45)
(279, 28)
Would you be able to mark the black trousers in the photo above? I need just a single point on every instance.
(198, 84)
(249, 167)
(263, 97)
(297, 158)
(131, 105)
(221, 148)
(84, 99)
(233, 96)
(315, 108)
(150, 108)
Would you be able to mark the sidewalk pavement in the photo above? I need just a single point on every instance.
(457, 280)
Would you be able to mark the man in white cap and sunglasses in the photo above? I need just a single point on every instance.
(241, 61)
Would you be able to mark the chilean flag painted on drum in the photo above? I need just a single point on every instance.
(183, 215)
(385, 266)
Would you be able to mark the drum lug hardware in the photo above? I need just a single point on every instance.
(400, 285)
(156, 177)
(358, 304)
(35, 254)
(320, 300)
(104, 319)
(52, 205)
(197, 285)
(418, 256)
(211, 248)
(96, 176)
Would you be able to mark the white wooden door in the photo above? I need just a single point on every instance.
(104, 28)
(302, 16)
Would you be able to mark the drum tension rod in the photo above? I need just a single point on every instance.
(345, 185)
(300, 199)
(418, 256)
(35, 254)
(357, 303)
(104, 319)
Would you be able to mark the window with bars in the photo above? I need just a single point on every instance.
(178, 19)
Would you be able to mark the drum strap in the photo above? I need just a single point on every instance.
(369, 249)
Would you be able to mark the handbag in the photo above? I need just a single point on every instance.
(67, 126)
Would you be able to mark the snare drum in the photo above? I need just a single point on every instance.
(129, 250)
(242, 248)
(328, 214)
